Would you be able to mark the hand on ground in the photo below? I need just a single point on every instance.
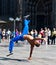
(29, 58)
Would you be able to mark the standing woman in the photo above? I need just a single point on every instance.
(53, 36)
(3, 34)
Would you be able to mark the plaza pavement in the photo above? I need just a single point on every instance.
(43, 55)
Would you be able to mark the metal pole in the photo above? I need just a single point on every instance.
(14, 28)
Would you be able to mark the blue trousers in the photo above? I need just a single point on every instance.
(11, 45)
(19, 37)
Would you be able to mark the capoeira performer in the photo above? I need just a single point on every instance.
(24, 36)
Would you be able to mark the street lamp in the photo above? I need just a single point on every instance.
(16, 19)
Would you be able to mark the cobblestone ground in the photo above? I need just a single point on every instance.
(44, 55)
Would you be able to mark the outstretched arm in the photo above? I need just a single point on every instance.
(37, 38)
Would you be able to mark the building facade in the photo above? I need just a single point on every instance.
(42, 12)
(8, 8)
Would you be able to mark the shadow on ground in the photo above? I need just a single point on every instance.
(6, 59)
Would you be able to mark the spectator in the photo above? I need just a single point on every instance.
(49, 35)
(53, 36)
(3, 34)
(0, 35)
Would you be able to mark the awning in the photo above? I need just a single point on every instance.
(2, 22)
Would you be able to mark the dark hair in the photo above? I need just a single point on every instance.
(37, 45)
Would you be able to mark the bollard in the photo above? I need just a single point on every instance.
(0, 38)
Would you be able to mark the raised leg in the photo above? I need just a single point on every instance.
(20, 37)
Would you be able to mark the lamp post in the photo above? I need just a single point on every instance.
(16, 19)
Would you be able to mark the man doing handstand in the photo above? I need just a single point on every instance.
(24, 36)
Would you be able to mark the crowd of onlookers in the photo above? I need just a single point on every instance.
(47, 33)
(8, 34)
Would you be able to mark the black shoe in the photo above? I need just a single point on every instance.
(9, 54)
